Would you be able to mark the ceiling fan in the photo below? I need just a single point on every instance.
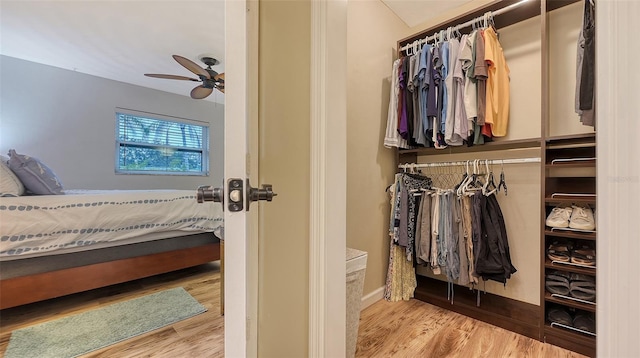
(210, 79)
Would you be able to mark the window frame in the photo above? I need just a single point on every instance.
(161, 117)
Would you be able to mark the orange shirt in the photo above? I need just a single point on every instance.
(497, 109)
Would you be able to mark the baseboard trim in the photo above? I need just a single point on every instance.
(372, 297)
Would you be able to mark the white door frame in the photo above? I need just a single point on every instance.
(328, 164)
(618, 176)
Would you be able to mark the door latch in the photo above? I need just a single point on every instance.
(235, 196)
(255, 194)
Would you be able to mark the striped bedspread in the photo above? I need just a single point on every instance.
(46, 223)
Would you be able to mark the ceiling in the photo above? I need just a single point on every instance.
(415, 12)
(122, 40)
(119, 40)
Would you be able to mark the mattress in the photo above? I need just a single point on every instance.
(80, 220)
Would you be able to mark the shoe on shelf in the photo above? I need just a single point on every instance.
(585, 321)
(582, 218)
(560, 251)
(559, 217)
(557, 282)
(559, 315)
(583, 287)
(584, 257)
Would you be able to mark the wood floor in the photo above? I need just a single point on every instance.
(417, 329)
(398, 329)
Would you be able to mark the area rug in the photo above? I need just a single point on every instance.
(88, 331)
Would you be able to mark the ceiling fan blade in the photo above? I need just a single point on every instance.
(200, 92)
(219, 77)
(171, 77)
(220, 88)
(192, 66)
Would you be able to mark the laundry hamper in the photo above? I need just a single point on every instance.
(356, 267)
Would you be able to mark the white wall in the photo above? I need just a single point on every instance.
(67, 119)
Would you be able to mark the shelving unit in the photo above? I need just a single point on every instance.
(561, 186)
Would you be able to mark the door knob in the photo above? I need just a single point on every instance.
(206, 193)
(209, 193)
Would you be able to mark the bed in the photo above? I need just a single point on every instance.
(55, 245)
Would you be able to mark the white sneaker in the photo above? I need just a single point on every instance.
(582, 218)
(559, 217)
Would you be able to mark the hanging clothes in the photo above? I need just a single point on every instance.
(461, 234)
(493, 260)
(585, 68)
(403, 126)
(455, 95)
(418, 99)
(480, 74)
(468, 238)
(439, 79)
(392, 137)
(497, 101)
(451, 93)
(457, 134)
(423, 240)
(427, 91)
(468, 59)
(401, 280)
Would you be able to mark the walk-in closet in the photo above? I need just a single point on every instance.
(536, 159)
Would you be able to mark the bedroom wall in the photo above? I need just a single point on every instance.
(67, 119)
(370, 166)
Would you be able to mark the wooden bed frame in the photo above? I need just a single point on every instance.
(38, 287)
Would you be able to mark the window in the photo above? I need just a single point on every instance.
(146, 144)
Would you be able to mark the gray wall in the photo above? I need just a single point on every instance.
(67, 120)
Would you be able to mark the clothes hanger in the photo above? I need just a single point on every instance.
(465, 175)
(502, 183)
(492, 23)
(490, 186)
(472, 184)
(457, 32)
(463, 182)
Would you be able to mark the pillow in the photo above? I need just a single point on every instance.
(10, 185)
(34, 174)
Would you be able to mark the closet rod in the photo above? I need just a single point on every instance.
(482, 161)
(465, 24)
